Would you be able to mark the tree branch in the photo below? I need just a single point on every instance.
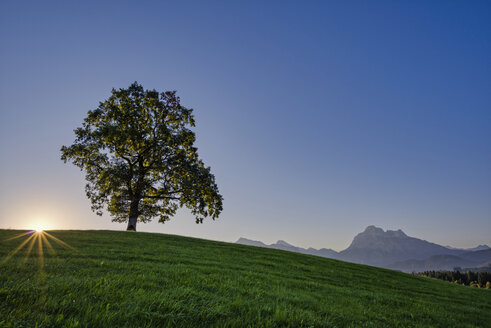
(161, 197)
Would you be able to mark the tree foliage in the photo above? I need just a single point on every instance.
(138, 153)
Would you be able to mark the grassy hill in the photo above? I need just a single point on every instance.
(120, 279)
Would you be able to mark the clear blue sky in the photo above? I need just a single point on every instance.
(317, 118)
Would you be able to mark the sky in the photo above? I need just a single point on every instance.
(318, 118)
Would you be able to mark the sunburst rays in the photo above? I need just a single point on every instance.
(59, 241)
(36, 245)
(18, 248)
(45, 240)
(40, 239)
(19, 235)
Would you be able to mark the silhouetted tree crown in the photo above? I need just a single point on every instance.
(140, 161)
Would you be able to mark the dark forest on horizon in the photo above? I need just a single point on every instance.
(469, 278)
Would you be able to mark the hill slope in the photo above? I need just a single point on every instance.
(107, 278)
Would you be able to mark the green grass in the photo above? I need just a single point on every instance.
(125, 279)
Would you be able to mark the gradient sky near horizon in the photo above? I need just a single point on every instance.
(318, 118)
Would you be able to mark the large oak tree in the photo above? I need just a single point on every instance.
(138, 153)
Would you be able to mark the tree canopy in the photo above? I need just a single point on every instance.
(138, 153)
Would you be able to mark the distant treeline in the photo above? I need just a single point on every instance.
(469, 278)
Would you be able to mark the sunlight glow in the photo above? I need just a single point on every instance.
(39, 222)
(39, 227)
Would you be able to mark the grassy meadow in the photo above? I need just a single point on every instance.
(123, 279)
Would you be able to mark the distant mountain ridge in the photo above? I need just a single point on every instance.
(475, 260)
(435, 262)
(283, 245)
(245, 241)
(395, 250)
(473, 249)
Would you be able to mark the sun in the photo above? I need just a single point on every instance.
(38, 227)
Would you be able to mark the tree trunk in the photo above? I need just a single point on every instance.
(132, 224)
(133, 217)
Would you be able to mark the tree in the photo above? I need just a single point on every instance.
(139, 158)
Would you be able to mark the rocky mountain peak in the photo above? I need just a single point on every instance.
(373, 230)
(282, 243)
(396, 233)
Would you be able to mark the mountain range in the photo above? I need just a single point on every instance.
(393, 249)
